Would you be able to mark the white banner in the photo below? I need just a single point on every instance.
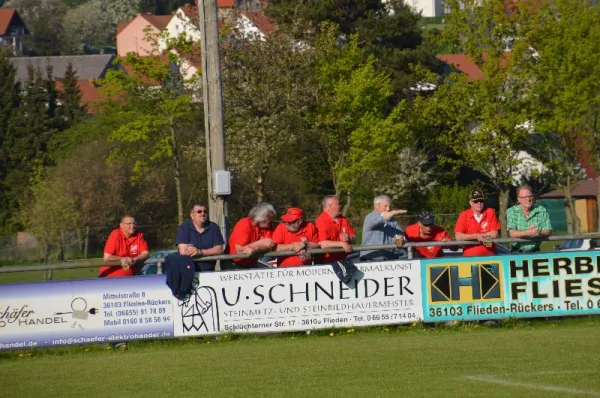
(86, 311)
(300, 298)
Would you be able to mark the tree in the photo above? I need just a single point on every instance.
(483, 123)
(34, 125)
(119, 11)
(157, 106)
(47, 197)
(566, 81)
(163, 7)
(389, 30)
(43, 19)
(88, 23)
(357, 133)
(70, 111)
(9, 103)
(268, 91)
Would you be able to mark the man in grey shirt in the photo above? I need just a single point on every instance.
(380, 228)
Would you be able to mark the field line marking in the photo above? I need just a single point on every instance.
(544, 387)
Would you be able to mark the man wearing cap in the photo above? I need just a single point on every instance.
(380, 228)
(527, 220)
(425, 230)
(334, 230)
(477, 223)
(297, 235)
(125, 244)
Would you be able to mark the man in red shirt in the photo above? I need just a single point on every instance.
(126, 244)
(477, 223)
(425, 230)
(295, 234)
(334, 229)
(253, 234)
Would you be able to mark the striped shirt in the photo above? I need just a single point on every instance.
(516, 220)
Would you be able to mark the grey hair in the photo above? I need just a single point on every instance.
(382, 198)
(522, 187)
(260, 212)
(326, 199)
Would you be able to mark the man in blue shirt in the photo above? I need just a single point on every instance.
(198, 237)
(380, 228)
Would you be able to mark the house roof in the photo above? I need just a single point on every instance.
(90, 94)
(121, 27)
(158, 21)
(463, 63)
(87, 66)
(583, 189)
(261, 22)
(226, 3)
(9, 16)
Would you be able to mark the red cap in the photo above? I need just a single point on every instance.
(293, 214)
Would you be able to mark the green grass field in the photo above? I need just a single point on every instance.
(522, 358)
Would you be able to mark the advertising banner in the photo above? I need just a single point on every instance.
(300, 298)
(85, 311)
(523, 286)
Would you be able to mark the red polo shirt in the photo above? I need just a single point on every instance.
(330, 229)
(467, 224)
(244, 232)
(306, 233)
(438, 234)
(117, 244)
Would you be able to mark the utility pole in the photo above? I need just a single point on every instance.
(213, 109)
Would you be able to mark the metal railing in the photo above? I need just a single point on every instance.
(408, 246)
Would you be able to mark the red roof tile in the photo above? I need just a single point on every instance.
(122, 26)
(158, 21)
(6, 15)
(463, 63)
(226, 3)
(261, 22)
(90, 94)
(9, 16)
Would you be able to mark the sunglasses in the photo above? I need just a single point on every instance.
(200, 211)
(477, 200)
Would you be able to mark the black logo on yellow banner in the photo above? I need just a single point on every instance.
(465, 282)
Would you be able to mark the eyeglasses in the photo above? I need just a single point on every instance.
(526, 197)
(477, 200)
(199, 211)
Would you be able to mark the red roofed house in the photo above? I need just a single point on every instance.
(12, 29)
(131, 36)
(255, 24)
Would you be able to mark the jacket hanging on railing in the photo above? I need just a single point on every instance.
(180, 272)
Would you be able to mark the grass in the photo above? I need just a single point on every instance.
(523, 358)
(57, 275)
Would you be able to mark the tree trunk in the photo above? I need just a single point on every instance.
(503, 206)
(86, 242)
(177, 177)
(572, 219)
(260, 191)
(347, 205)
